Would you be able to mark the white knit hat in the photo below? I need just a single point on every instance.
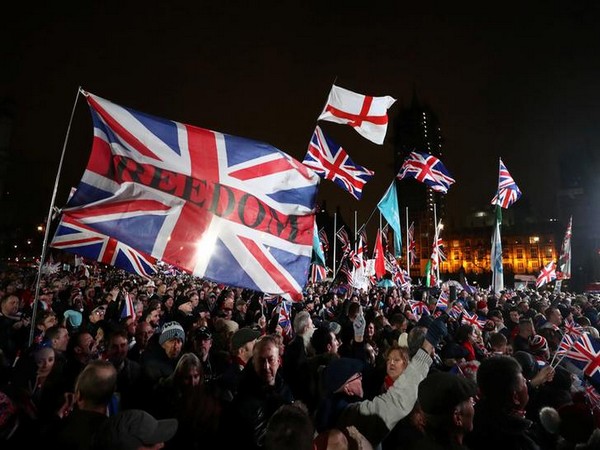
(171, 330)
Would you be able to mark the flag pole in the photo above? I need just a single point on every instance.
(407, 245)
(437, 250)
(334, 240)
(49, 220)
(355, 230)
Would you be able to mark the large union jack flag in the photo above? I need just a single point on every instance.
(224, 208)
(331, 162)
(508, 191)
(74, 237)
(427, 169)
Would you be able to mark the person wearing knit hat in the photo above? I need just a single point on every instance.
(538, 346)
(448, 402)
(171, 339)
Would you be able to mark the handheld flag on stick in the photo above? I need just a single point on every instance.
(366, 114)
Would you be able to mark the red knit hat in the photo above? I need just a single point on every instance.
(538, 344)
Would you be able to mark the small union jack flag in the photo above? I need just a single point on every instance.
(418, 308)
(401, 277)
(443, 301)
(573, 329)
(427, 169)
(472, 319)
(508, 191)
(565, 345)
(272, 299)
(317, 273)
(128, 310)
(456, 310)
(331, 162)
(547, 275)
(592, 396)
(284, 312)
(343, 237)
(324, 239)
(585, 353)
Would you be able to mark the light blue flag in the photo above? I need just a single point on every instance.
(496, 255)
(318, 255)
(388, 206)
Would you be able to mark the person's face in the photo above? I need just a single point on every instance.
(395, 364)
(521, 395)
(144, 333)
(192, 378)
(11, 306)
(556, 317)
(334, 344)
(247, 350)
(117, 349)
(514, 316)
(154, 318)
(173, 348)
(87, 345)
(266, 363)
(464, 415)
(49, 321)
(370, 330)
(205, 345)
(61, 341)
(44, 360)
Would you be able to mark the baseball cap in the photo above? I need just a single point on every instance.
(243, 336)
(133, 428)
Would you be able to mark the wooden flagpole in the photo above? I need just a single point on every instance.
(49, 220)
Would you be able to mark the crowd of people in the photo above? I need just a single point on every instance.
(105, 359)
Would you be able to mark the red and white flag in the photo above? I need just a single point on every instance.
(366, 114)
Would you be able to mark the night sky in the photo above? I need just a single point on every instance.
(520, 81)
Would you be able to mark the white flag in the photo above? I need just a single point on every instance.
(366, 114)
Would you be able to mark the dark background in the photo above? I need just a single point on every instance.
(517, 80)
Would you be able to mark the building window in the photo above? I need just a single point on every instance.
(519, 253)
(534, 265)
(520, 267)
(455, 243)
(548, 252)
(456, 255)
(533, 252)
(467, 255)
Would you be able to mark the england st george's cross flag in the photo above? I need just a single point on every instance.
(221, 207)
